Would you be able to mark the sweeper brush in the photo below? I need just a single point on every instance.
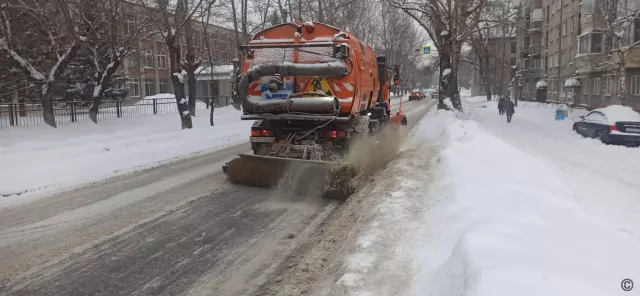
(330, 179)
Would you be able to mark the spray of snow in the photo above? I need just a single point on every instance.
(444, 33)
(446, 71)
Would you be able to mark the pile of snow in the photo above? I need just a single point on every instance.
(500, 220)
(615, 113)
(465, 92)
(571, 82)
(38, 158)
(541, 84)
(164, 96)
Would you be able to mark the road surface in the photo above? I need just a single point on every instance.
(179, 229)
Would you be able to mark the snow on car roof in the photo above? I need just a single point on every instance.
(617, 113)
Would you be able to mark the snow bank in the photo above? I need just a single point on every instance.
(38, 158)
(616, 113)
(501, 222)
(161, 96)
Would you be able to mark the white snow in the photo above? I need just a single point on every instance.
(615, 113)
(179, 76)
(485, 207)
(571, 82)
(446, 71)
(541, 84)
(161, 96)
(38, 159)
(444, 33)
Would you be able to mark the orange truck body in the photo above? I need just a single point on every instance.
(357, 91)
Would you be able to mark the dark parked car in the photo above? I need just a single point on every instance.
(416, 95)
(612, 125)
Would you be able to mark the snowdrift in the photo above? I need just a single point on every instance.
(38, 158)
(502, 223)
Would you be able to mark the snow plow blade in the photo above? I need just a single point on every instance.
(331, 179)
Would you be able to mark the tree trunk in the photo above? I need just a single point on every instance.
(102, 82)
(454, 92)
(47, 106)
(178, 85)
(623, 88)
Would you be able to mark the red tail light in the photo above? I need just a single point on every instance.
(335, 134)
(613, 128)
(261, 133)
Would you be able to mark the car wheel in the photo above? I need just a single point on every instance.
(598, 135)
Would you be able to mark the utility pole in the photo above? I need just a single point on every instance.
(560, 61)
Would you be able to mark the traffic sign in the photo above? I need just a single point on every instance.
(425, 50)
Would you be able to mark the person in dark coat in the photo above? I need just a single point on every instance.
(509, 108)
(501, 105)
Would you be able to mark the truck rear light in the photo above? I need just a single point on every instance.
(613, 127)
(336, 134)
(261, 133)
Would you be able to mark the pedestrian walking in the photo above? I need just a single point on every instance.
(501, 105)
(509, 108)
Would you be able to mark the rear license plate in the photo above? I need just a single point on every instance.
(262, 139)
(633, 130)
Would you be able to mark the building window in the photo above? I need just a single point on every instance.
(164, 86)
(565, 27)
(513, 47)
(149, 87)
(591, 43)
(573, 23)
(572, 55)
(585, 84)
(147, 59)
(162, 61)
(513, 61)
(605, 85)
(134, 87)
(636, 29)
(134, 61)
(635, 85)
(587, 7)
(596, 86)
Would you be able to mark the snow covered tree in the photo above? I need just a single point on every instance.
(170, 19)
(41, 39)
(621, 20)
(116, 38)
(448, 24)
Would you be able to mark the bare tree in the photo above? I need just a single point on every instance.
(448, 24)
(117, 38)
(171, 20)
(619, 17)
(41, 39)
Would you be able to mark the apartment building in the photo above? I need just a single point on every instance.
(566, 53)
(502, 56)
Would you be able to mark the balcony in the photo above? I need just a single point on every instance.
(535, 26)
(535, 49)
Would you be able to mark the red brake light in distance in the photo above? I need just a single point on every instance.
(613, 128)
(335, 134)
(261, 133)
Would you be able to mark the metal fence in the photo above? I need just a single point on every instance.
(76, 111)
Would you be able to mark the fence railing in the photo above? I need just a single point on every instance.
(77, 111)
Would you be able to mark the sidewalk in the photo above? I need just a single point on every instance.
(39, 158)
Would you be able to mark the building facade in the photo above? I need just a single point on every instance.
(502, 56)
(148, 70)
(566, 52)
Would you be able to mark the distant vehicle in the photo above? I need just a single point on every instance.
(416, 95)
(614, 124)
